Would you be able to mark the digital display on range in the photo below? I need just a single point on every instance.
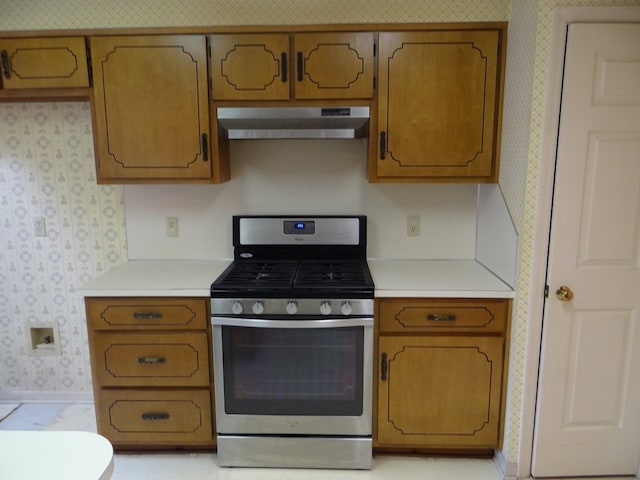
(299, 227)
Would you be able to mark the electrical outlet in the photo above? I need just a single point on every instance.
(39, 227)
(172, 226)
(413, 225)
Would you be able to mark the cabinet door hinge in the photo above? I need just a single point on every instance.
(546, 291)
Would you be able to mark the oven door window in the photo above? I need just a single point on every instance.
(298, 371)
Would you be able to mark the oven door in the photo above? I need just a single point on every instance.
(293, 377)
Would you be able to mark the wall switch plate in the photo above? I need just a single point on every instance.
(39, 227)
(172, 226)
(413, 225)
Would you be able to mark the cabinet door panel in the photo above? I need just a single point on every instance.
(151, 107)
(440, 392)
(250, 67)
(438, 103)
(334, 65)
(44, 63)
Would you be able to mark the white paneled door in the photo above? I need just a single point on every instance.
(588, 406)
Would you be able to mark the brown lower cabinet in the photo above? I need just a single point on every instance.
(151, 367)
(441, 373)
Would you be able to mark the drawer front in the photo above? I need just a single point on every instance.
(446, 315)
(141, 359)
(147, 313)
(155, 417)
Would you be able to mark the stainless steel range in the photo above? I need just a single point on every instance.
(292, 324)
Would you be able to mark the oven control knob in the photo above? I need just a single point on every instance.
(258, 307)
(292, 307)
(236, 308)
(325, 308)
(346, 308)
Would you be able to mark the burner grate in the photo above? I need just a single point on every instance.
(268, 274)
(330, 274)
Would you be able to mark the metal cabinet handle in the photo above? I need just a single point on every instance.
(6, 66)
(383, 367)
(151, 360)
(147, 315)
(205, 147)
(300, 66)
(283, 67)
(445, 317)
(155, 416)
(383, 145)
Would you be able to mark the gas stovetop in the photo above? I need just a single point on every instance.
(297, 257)
(308, 278)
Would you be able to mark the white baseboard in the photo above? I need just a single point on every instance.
(45, 397)
(507, 470)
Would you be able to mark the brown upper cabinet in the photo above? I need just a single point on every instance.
(44, 63)
(151, 109)
(434, 91)
(439, 106)
(302, 66)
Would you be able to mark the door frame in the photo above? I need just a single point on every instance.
(562, 17)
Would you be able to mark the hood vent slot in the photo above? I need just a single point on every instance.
(294, 122)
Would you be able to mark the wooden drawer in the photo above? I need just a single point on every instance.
(147, 313)
(442, 315)
(155, 417)
(152, 359)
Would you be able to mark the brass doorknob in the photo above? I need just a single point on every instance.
(564, 294)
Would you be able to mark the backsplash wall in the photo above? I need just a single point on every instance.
(300, 177)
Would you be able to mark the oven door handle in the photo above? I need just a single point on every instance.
(321, 323)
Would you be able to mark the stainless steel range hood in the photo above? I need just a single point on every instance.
(294, 122)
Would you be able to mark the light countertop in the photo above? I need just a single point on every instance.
(157, 278)
(392, 278)
(436, 278)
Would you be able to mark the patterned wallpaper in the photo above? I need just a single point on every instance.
(47, 170)
(36, 14)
